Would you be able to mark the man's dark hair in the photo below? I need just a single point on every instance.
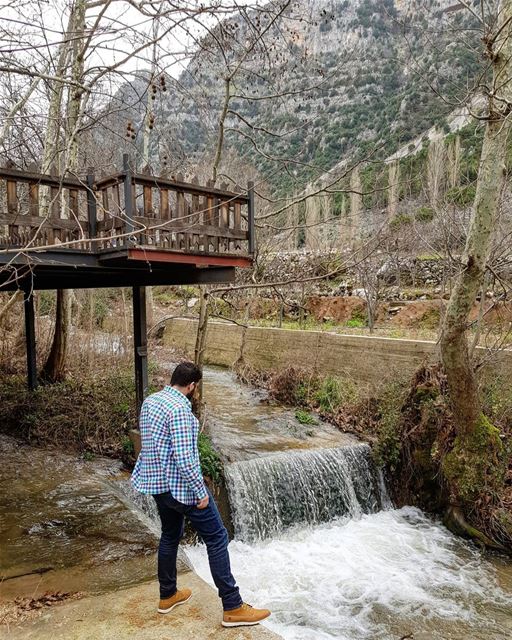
(185, 373)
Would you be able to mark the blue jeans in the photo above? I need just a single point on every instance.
(208, 524)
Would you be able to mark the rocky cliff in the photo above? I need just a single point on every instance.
(312, 83)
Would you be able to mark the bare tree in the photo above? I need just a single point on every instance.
(462, 382)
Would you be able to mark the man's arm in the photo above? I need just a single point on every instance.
(182, 436)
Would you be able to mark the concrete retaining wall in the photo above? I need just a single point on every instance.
(367, 360)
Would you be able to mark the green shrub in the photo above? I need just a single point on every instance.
(304, 417)
(127, 445)
(334, 392)
(461, 196)
(46, 302)
(400, 220)
(211, 464)
(89, 414)
(424, 214)
(101, 309)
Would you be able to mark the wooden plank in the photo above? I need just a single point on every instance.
(108, 216)
(147, 199)
(116, 212)
(55, 202)
(237, 221)
(181, 226)
(250, 219)
(12, 197)
(36, 221)
(203, 205)
(165, 212)
(224, 215)
(33, 199)
(195, 219)
(12, 209)
(187, 187)
(215, 222)
(116, 200)
(180, 212)
(154, 255)
(73, 203)
(44, 179)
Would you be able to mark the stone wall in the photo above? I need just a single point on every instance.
(367, 360)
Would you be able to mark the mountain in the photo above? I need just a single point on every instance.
(317, 83)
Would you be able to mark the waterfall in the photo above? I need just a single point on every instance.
(271, 493)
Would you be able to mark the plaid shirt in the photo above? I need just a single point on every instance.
(169, 459)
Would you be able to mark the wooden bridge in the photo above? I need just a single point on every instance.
(125, 230)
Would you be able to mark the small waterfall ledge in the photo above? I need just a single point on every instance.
(271, 493)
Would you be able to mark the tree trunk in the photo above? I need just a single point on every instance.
(394, 188)
(202, 330)
(55, 365)
(356, 206)
(455, 355)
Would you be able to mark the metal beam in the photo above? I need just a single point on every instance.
(48, 278)
(140, 344)
(30, 339)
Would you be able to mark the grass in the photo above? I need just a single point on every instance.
(356, 323)
(305, 417)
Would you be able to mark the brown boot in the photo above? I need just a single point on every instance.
(244, 616)
(180, 597)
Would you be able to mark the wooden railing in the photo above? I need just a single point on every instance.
(124, 210)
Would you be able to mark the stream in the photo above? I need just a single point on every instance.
(316, 538)
(318, 542)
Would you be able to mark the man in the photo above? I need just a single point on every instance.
(168, 468)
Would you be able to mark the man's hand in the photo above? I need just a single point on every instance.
(202, 504)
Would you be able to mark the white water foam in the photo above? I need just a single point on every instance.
(380, 577)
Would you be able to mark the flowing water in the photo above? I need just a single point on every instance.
(382, 576)
(269, 494)
(316, 538)
(245, 424)
(62, 521)
(318, 542)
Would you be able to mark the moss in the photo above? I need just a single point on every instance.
(387, 449)
(430, 319)
(475, 464)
